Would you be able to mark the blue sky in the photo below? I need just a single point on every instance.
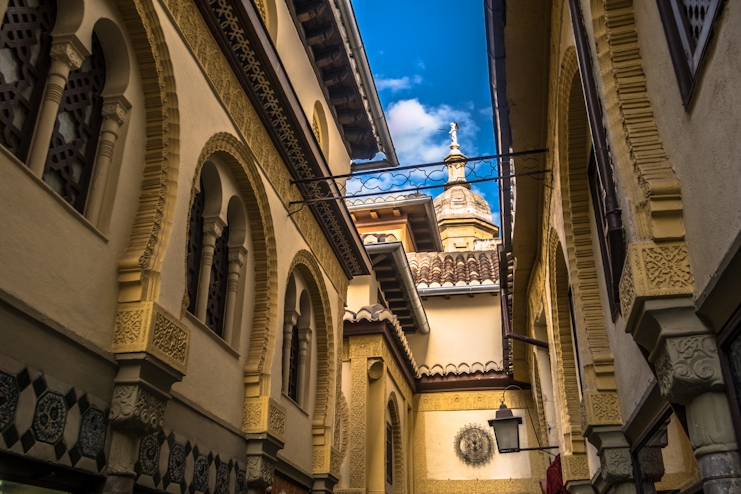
(430, 66)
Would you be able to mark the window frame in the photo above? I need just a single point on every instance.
(686, 54)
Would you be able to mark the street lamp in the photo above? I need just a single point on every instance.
(507, 428)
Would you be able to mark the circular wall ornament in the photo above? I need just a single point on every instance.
(474, 445)
(8, 399)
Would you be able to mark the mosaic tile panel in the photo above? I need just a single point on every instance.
(172, 463)
(50, 420)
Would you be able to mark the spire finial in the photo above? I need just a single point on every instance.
(455, 160)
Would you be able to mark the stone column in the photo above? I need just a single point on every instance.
(236, 260)
(262, 451)
(304, 339)
(66, 56)
(651, 463)
(685, 357)
(289, 321)
(114, 114)
(212, 228)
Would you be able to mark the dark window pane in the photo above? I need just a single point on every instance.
(195, 247)
(25, 42)
(389, 454)
(217, 286)
(293, 368)
(69, 164)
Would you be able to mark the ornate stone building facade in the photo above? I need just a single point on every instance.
(622, 255)
(156, 276)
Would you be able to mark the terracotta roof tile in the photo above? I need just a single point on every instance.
(454, 268)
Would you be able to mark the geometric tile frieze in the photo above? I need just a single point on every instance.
(49, 420)
(170, 462)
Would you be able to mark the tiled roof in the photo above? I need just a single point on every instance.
(467, 268)
(373, 313)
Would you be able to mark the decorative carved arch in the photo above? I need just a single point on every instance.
(309, 268)
(139, 267)
(399, 477)
(235, 155)
(563, 349)
(652, 187)
(573, 162)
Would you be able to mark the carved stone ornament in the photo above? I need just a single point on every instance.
(66, 53)
(651, 462)
(115, 110)
(148, 327)
(474, 445)
(600, 408)
(263, 414)
(688, 366)
(135, 408)
(617, 466)
(651, 271)
(375, 368)
(574, 467)
(260, 472)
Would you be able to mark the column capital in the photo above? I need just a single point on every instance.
(115, 108)
(290, 318)
(236, 254)
(304, 334)
(688, 366)
(213, 226)
(68, 51)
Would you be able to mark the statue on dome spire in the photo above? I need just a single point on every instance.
(455, 160)
(454, 128)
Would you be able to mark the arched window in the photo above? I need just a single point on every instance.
(215, 252)
(25, 44)
(69, 164)
(297, 330)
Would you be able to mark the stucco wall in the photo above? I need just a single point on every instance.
(463, 329)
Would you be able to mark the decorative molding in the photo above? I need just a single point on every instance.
(358, 415)
(140, 265)
(264, 414)
(650, 183)
(461, 369)
(148, 327)
(467, 400)
(135, 408)
(574, 467)
(566, 373)
(617, 465)
(653, 271)
(217, 69)
(601, 408)
(689, 366)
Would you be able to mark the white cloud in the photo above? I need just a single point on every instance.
(420, 64)
(395, 85)
(415, 129)
(495, 218)
(420, 135)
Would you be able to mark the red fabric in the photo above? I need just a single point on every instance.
(554, 479)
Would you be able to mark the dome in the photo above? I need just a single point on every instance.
(459, 202)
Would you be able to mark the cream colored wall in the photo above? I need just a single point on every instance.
(442, 462)
(702, 144)
(463, 329)
(362, 291)
(303, 78)
(53, 259)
